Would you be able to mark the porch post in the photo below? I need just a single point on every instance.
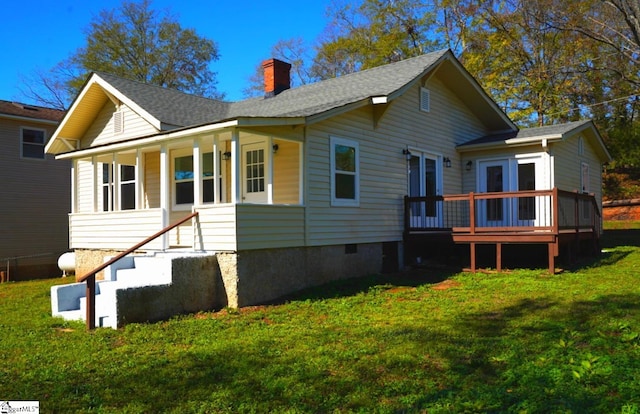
(138, 177)
(197, 173)
(216, 170)
(165, 200)
(74, 182)
(94, 186)
(269, 177)
(235, 166)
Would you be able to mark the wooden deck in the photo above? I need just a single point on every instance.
(554, 217)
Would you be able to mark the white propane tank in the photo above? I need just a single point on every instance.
(67, 263)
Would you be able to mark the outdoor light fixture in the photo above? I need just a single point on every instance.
(468, 165)
(407, 154)
(275, 148)
(226, 155)
(447, 162)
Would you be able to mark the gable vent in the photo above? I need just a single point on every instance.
(425, 100)
(118, 122)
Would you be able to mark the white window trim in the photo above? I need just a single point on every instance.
(344, 202)
(22, 143)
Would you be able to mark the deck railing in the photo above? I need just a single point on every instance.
(548, 210)
(90, 277)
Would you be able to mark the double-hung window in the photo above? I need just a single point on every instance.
(127, 187)
(32, 141)
(183, 177)
(345, 172)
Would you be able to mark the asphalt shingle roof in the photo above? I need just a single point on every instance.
(180, 109)
(544, 131)
(30, 111)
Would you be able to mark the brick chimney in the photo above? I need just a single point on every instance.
(276, 77)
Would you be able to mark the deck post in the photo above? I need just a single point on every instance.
(472, 246)
(472, 214)
(552, 258)
(499, 257)
(91, 302)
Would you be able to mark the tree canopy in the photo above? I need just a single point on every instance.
(138, 43)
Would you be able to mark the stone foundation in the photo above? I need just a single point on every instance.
(255, 277)
(259, 276)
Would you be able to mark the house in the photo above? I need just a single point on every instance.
(35, 196)
(325, 181)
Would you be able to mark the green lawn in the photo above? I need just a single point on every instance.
(430, 341)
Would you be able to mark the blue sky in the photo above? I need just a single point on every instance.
(38, 34)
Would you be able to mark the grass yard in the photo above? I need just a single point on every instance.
(429, 341)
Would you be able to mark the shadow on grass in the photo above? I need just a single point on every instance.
(414, 277)
(621, 237)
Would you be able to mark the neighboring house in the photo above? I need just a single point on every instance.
(308, 185)
(34, 195)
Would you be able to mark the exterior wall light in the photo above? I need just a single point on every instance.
(226, 155)
(468, 165)
(447, 162)
(407, 154)
(275, 148)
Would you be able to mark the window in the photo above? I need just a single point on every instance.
(107, 187)
(425, 100)
(33, 143)
(255, 171)
(526, 182)
(127, 195)
(584, 178)
(127, 187)
(344, 172)
(208, 195)
(183, 178)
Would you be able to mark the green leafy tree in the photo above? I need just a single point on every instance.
(374, 32)
(138, 43)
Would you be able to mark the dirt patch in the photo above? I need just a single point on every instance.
(447, 284)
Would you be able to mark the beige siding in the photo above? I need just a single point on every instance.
(101, 130)
(286, 173)
(218, 227)
(269, 226)
(84, 184)
(151, 192)
(117, 230)
(568, 165)
(383, 169)
(35, 198)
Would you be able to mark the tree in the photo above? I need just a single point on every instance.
(373, 33)
(138, 43)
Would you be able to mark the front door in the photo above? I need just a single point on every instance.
(494, 178)
(519, 174)
(254, 173)
(425, 179)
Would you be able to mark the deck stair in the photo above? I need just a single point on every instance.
(129, 289)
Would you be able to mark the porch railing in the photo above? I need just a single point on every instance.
(548, 210)
(90, 277)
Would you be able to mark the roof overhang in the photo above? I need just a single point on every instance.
(84, 109)
(28, 119)
(175, 134)
(587, 129)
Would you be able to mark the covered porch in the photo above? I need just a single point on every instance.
(238, 180)
(552, 217)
